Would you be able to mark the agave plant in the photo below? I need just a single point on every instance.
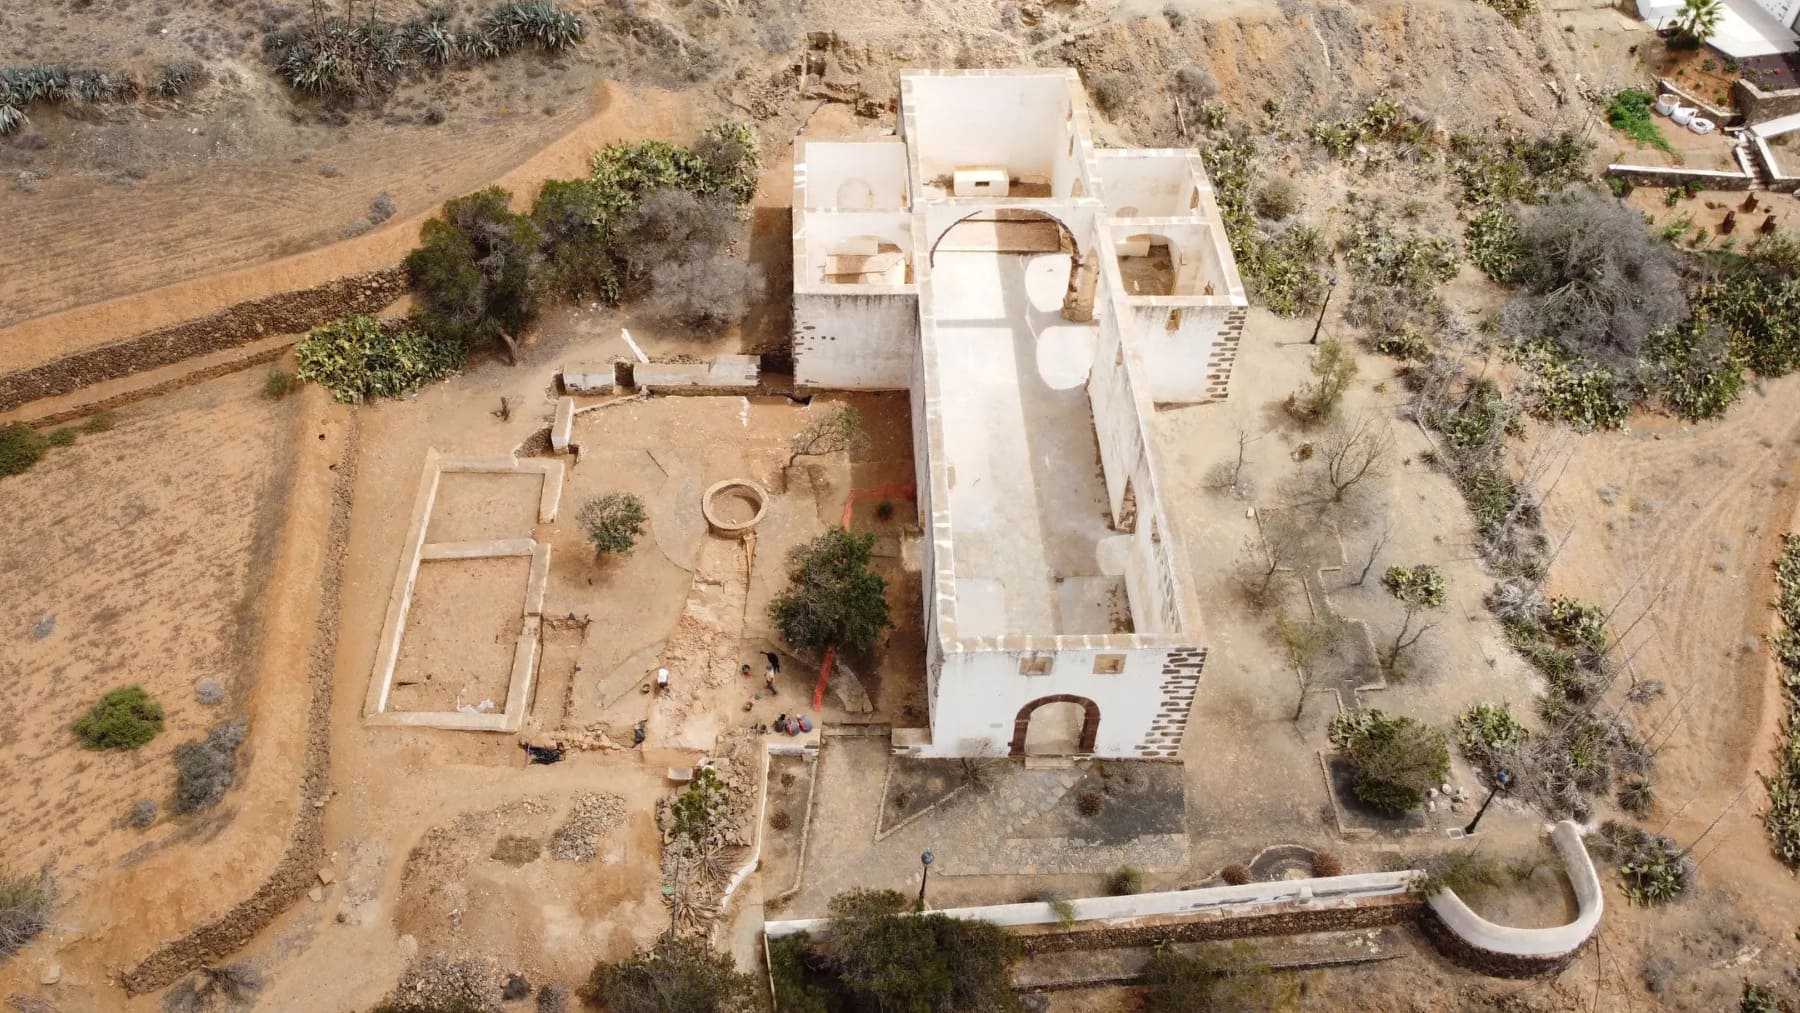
(11, 116)
(434, 43)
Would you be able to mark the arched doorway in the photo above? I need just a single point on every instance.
(1084, 272)
(1058, 725)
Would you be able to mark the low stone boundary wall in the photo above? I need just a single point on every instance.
(1662, 175)
(286, 313)
(1287, 907)
(1779, 180)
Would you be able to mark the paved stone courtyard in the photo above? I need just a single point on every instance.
(1024, 822)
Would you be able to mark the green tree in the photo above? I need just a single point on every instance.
(124, 718)
(833, 598)
(478, 271)
(1395, 759)
(1333, 369)
(677, 975)
(613, 522)
(897, 962)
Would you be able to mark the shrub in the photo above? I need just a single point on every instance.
(708, 292)
(20, 447)
(677, 975)
(1235, 874)
(1125, 880)
(781, 820)
(1629, 113)
(63, 436)
(1637, 796)
(1782, 817)
(1113, 92)
(1693, 369)
(1597, 282)
(553, 997)
(833, 598)
(1655, 871)
(1760, 314)
(125, 718)
(1494, 244)
(279, 383)
(1327, 863)
(1503, 165)
(1421, 585)
(478, 271)
(100, 422)
(1061, 907)
(209, 692)
(1489, 735)
(1399, 259)
(204, 768)
(1468, 874)
(382, 208)
(1562, 387)
(613, 522)
(143, 813)
(26, 901)
(1284, 270)
(1278, 199)
(1175, 982)
(360, 357)
(1090, 803)
(1756, 999)
(1394, 759)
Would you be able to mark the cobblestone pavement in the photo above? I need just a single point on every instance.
(1010, 828)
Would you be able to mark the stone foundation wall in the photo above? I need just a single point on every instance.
(286, 313)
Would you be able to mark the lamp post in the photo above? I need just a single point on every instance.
(1330, 287)
(924, 876)
(1501, 781)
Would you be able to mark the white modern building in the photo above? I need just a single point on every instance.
(1038, 297)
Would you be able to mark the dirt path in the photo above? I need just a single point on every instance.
(614, 114)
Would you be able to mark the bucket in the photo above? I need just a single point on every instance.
(1665, 103)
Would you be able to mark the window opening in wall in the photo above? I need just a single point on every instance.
(1109, 664)
(1174, 322)
(1194, 201)
(1071, 145)
(1035, 664)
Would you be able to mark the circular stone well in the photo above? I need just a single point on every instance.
(734, 506)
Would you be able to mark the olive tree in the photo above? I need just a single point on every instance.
(613, 522)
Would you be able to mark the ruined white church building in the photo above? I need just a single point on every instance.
(1038, 297)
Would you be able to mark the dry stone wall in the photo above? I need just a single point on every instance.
(286, 313)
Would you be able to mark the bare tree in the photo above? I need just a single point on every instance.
(1308, 642)
(1353, 453)
(1375, 547)
(1228, 475)
(1264, 560)
(839, 430)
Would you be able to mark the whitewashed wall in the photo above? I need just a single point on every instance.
(980, 693)
(855, 342)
